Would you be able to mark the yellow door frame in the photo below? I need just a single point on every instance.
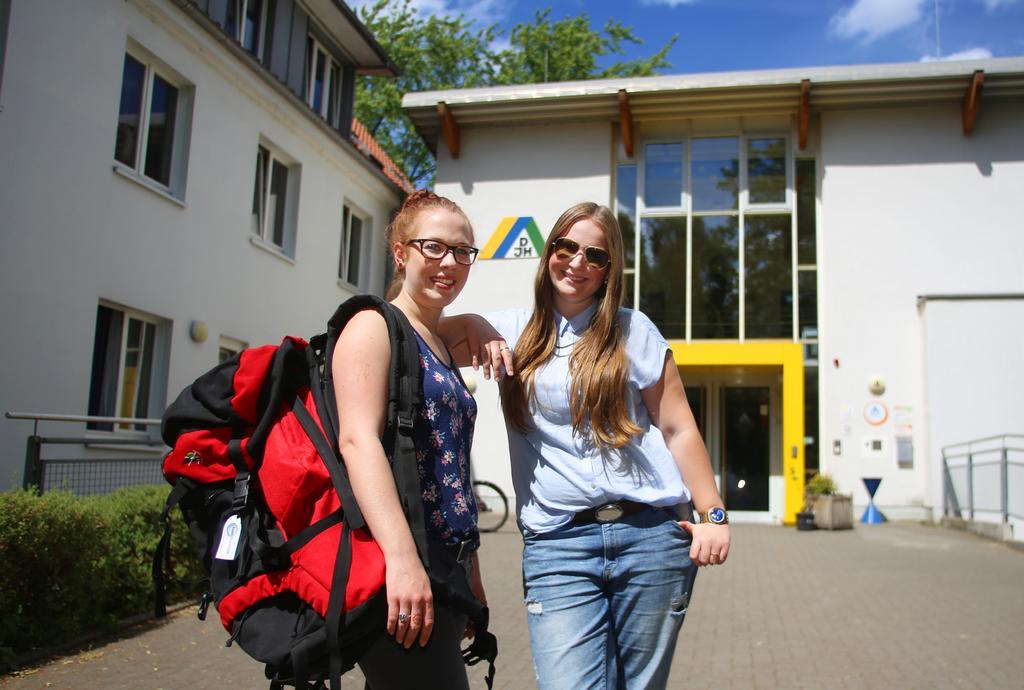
(785, 355)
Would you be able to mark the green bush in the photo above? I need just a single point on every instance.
(821, 485)
(73, 566)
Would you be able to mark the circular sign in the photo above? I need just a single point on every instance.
(876, 413)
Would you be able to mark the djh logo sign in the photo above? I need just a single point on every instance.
(514, 238)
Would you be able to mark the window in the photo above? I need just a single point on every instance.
(247, 24)
(354, 243)
(228, 348)
(275, 190)
(323, 86)
(153, 124)
(127, 351)
(719, 235)
(625, 210)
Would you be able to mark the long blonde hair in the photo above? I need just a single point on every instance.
(598, 365)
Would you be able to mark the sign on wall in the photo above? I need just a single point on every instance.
(514, 238)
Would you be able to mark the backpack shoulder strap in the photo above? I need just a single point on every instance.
(405, 398)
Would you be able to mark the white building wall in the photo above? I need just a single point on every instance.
(75, 232)
(516, 171)
(909, 207)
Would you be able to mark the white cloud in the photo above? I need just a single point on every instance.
(969, 54)
(996, 4)
(871, 19)
(483, 12)
(677, 3)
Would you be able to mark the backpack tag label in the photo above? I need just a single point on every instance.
(229, 536)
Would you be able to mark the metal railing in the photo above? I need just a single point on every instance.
(977, 476)
(140, 462)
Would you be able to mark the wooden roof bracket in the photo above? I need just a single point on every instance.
(449, 128)
(804, 119)
(972, 102)
(626, 122)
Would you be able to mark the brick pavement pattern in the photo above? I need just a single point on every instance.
(892, 606)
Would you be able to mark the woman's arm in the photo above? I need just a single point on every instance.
(473, 342)
(361, 369)
(666, 403)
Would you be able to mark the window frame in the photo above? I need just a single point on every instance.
(239, 28)
(330, 104)
(156, 397)
(743, 210)
(232, 346)
(154, 68)
(263, 236)
(349, 211)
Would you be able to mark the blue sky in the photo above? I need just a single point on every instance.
(725, 35)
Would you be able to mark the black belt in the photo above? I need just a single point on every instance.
(608, 512)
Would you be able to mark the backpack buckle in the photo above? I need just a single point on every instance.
(405, 425)
(241, 495)
(204, 604)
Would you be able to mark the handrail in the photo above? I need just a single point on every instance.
(43, 417)
(968, 451)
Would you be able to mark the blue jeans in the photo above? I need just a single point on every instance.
(605, 602)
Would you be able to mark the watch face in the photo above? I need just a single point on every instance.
(716, 515)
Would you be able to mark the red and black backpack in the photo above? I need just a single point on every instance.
(295, 575)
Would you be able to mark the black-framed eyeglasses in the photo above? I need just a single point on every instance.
(437, 250)
(566, 250)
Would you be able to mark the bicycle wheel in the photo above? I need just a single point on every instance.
(491, 504)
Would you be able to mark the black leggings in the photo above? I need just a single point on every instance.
(390, 666)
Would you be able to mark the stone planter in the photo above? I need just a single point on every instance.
(832, 512)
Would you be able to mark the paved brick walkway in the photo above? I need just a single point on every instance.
(889, 606)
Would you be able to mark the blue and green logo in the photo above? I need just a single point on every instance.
(514, 238)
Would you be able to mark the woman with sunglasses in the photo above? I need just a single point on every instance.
(431, 243)
(603, 448)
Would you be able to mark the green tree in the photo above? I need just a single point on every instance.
(439, 53)
(431, 54)
(569, 50)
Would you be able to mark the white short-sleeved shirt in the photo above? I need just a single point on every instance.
(557, 474)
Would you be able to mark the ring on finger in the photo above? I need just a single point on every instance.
(503, 348)
(403, 618)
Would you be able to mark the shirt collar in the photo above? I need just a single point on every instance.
(576, 324)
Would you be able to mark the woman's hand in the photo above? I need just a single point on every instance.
(710, 543)
(476, 585)
(408, 589)
(474, 342)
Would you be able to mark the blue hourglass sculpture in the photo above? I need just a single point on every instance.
(872, 515)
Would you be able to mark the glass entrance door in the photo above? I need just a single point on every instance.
(746, 449)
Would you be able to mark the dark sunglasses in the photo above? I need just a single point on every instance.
(566, 250)
(437, 250)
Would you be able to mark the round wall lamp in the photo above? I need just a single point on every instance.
(876, 385)
(470, 382)
(198, 331)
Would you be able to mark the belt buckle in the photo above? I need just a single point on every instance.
(609, 512)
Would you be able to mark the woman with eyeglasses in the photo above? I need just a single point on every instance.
(431, 243)
(603, 449)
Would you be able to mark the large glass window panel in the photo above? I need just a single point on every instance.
(768, 288)
(625, 208)
(663, 175)
(715, 301)
(807, 284)
(663, 274)
(714, 173)
(355, 250)
(160, 138)
(253, 26)
(276, 203)
(259, 201)
(133, 81)
(766, 170)
(806, 218)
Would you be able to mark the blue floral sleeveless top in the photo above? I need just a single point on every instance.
(443, 436)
